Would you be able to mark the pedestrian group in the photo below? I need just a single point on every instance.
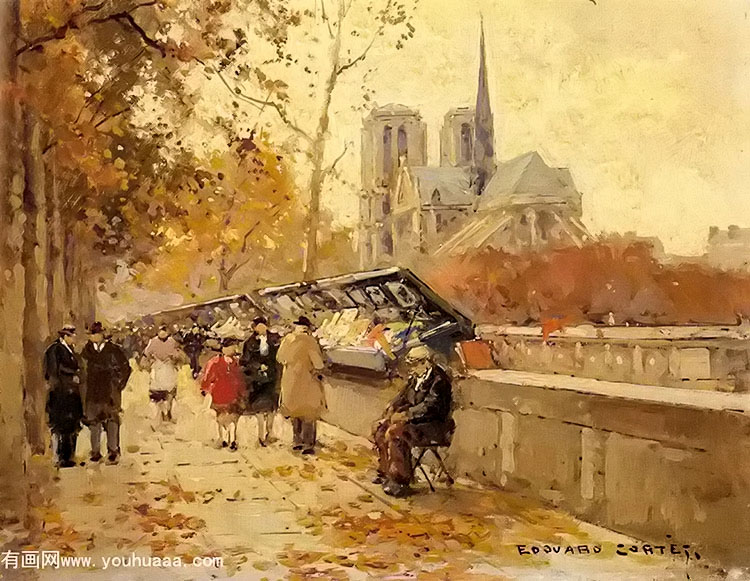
(257, 377)
(262, 376)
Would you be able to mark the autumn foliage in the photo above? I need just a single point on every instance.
(587, 284)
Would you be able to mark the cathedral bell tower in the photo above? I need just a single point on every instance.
(393, 136)
(457, 138)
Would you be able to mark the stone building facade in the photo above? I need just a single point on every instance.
(729, 249)
(469, 200)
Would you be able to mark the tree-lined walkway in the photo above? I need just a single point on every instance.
(272, 514)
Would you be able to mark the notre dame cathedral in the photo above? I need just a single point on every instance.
(468, 202)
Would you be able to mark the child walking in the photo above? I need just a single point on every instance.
(224, 381)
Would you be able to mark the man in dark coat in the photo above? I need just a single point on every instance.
(64, 406)
(192, 345)
(107, 372)
(259, 364)
(420, 413)
(131, 343)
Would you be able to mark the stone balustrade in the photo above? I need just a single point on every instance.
(713, 358)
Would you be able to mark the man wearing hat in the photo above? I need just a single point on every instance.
(302, 395)
(192, 345)
(107, 372)
(64, 406)
(419, 413)
(261, 372)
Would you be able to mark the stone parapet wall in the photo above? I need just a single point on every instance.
(647, 467)
(713, 358)
(644, 460)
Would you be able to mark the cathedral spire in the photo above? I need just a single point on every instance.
(484, 150)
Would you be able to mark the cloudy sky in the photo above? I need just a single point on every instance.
(647, 102)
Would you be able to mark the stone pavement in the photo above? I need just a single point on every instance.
(269, 513)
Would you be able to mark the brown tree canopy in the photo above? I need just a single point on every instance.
(586, 284)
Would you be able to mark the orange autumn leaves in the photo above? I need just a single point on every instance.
(236, 212)
(126, 187)
(574, 285)
(53, 92)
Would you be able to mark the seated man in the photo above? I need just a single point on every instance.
(419, 414)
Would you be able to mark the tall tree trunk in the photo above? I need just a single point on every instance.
(87, 282)
(35, 307)
(318, 151)
(70, 267)
(12, 445)
(55, 263)
(315, 188)
(80, 280)
(223, 280)
(226, 273)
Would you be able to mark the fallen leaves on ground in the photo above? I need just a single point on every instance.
(174, 492)
(154, 518)
(356, 458)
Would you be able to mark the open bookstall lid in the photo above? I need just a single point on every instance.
(212, 313)
(395, 297)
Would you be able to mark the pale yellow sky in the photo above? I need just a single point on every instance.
(647, 102)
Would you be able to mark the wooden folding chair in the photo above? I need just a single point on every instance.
(442, 469)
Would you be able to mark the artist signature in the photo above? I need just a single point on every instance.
(621, 549)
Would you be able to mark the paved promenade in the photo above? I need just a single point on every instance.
(269, 513)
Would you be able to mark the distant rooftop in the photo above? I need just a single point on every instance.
(732, 234)
(526, 178)
(443, 185)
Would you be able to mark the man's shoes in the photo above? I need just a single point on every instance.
(262, 443)
(297, 447)
(308, 451)
(396, 490)
(95, 457)
(113, 458)
(224, 443)
(379, 479)
(233, 446)
(67, 464)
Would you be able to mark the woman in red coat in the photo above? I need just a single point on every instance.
(224, 380)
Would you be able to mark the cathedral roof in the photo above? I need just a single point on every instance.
(452, 184)
(520, 185)
(527, 179)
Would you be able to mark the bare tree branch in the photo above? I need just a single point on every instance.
(260, 103)
(249, 233)
(77, 20)
(110, 117)
(332, 168)
(230, 271)
(126, 19)
(364, 53)
(326, 19)
(53, 143)
(105, 85)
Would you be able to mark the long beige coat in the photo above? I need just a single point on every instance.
(302, 394)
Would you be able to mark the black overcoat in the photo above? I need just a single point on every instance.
(107, 372)
(426, 401)
(261, 374)
(62, 372)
